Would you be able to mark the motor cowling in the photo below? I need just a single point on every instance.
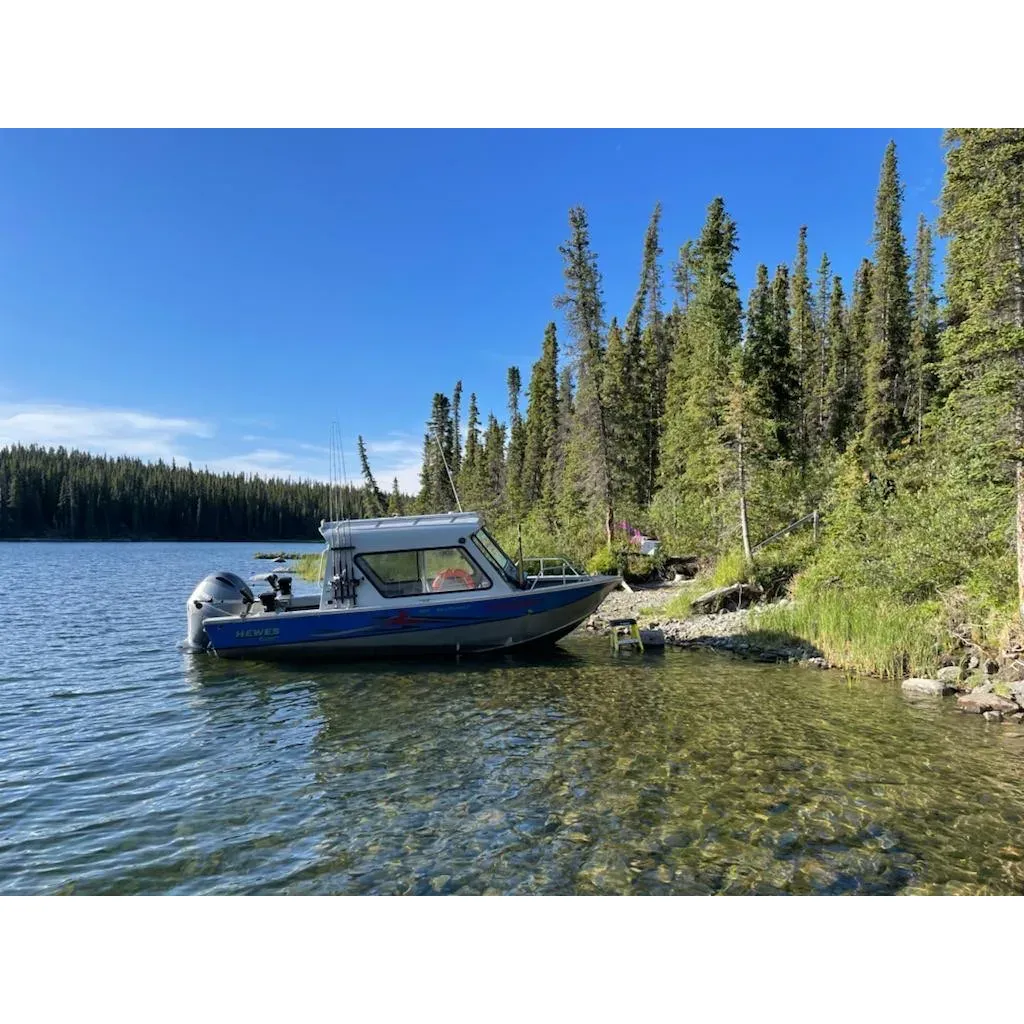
(219, 594)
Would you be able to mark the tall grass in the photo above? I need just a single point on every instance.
(863, 631)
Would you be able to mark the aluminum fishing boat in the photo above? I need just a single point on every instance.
(436, 584)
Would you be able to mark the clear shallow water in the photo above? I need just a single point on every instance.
(130, 766)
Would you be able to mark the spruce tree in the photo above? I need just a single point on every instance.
(588, 441)
(566, 415)
(456, 429)
(540, 457)
(803, 342)
(822, 308)
(842, 386)
(374, 499)
(924, 334)
(493, 464)
(516, 445)
(621, 416)
(470, 473)
(859, 328)
(642, 395)
(696, 460)
(436, 493)
(395, 499)
(983, 347)
(888, 353)
(769, 374)
(683, 274)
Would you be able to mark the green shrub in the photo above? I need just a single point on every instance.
(603, 563)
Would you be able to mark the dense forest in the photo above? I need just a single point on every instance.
(54, 493)
(896, 415)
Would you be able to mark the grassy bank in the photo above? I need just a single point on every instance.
(863, 631)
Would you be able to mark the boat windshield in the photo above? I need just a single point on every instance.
(492, 549)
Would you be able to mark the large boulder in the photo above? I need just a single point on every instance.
(978, 703)
(950, 675)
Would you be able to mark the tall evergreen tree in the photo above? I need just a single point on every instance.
(769, 373)
(683, 274)
(436, 492)
(842, 387)
(583, 307)
(471, 471)
(803, 342)
(822, 308)
(696, 459)
(566, 416)
(539, 461)
(456, 429)
(395, 503)
(516, 445)
(493, 459)
(924, 333)
(621, 416)
(374, 499)
(648, 372)
(983, 366)
(888, 354)
(859, 328)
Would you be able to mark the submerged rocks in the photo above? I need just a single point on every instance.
(936, 687)
(977, 703)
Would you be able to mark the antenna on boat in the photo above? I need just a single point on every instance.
(455, 490)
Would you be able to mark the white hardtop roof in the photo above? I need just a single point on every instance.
(398, 532)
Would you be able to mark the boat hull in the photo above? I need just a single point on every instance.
(477, 626)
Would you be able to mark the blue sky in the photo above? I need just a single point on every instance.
(221, 297)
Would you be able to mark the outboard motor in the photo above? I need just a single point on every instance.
(220, 594)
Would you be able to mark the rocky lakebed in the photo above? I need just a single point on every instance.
(976, 683)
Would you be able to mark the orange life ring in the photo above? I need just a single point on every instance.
(453, 574)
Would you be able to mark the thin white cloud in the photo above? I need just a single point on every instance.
(393, 447)
(104, 431)
(268, 462)
(148, 436)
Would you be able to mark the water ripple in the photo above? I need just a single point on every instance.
(129, 766)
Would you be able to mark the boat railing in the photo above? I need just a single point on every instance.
(550, 569)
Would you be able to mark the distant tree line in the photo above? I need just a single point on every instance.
(56, 493)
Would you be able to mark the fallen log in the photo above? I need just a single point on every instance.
(727, 598)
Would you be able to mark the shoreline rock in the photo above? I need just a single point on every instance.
(935, 687)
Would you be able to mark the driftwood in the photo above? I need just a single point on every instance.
(734, 596)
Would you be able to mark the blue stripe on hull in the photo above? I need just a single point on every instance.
(268, 632)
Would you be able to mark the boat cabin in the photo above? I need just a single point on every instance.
(371, 562)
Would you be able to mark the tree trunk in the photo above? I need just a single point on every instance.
(744, 530)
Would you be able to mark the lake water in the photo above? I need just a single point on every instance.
(130, 766)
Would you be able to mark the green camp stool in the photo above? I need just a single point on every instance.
(625, 634)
